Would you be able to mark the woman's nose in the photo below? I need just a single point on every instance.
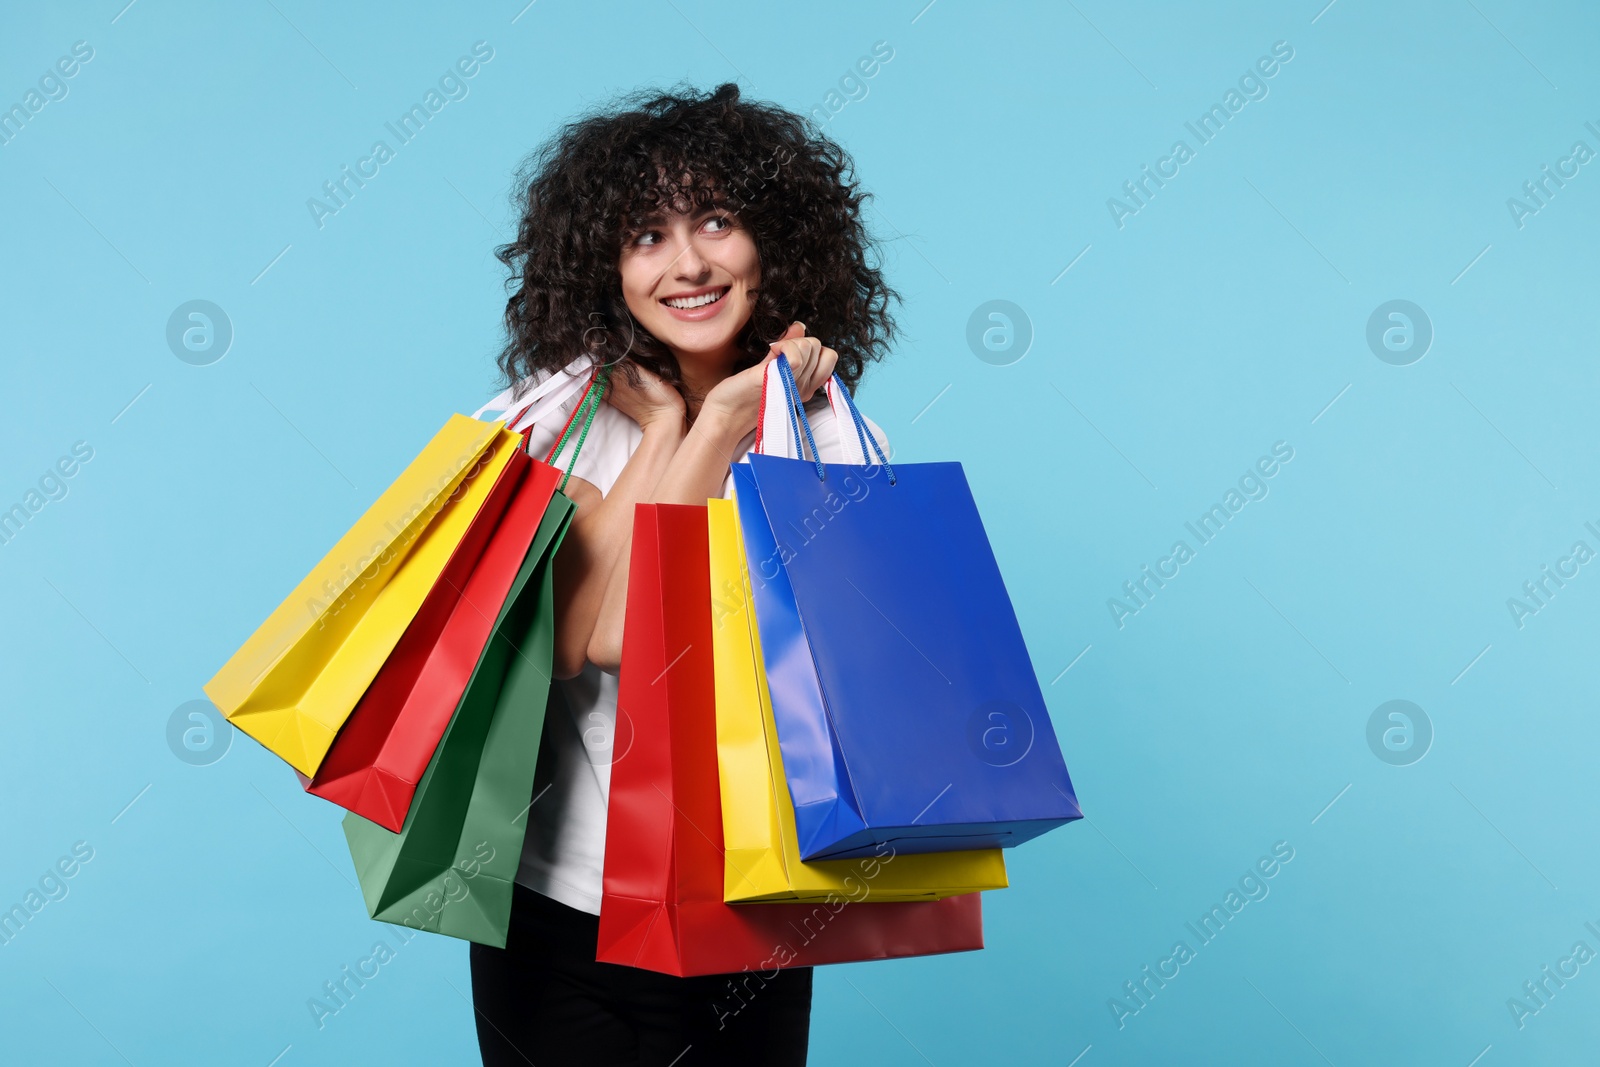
(690, 263)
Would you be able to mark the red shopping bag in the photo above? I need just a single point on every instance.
(662, 908)
(380, 754)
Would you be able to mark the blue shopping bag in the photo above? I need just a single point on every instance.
(907, 708)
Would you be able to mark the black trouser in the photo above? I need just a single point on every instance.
(543, 1000)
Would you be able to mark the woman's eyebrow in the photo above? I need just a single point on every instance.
(659, 216)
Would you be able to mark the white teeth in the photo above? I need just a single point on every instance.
(696, 301)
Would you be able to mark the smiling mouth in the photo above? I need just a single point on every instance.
(688, 303)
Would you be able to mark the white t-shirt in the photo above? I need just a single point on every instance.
(563, 854)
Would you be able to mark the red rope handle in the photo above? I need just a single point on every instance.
(761, 413)
(583, 397)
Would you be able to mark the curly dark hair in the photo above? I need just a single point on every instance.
(591, 186)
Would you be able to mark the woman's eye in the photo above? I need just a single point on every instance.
(641, 238)
(727, 223)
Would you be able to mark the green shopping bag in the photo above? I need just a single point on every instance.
(451, 868)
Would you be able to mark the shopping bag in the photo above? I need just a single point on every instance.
(451, 868)
(906, 705)
(293, 683)
(662, 908)
(758, 831)
(381, 752)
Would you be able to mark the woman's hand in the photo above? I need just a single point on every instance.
(652, 400)
(737, 398)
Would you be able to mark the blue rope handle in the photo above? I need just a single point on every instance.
(861, 429)
(791, 393)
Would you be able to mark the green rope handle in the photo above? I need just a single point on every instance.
(592, 399)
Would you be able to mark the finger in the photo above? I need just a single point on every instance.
(795, 329)
(775, 348)
(820, 370)
(805, 366)
(827, 361)
(787, 346)
(802, 353)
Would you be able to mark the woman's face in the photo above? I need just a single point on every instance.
(690, 280)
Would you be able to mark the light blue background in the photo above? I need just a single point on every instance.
(1228, 314)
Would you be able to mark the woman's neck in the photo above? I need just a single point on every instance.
(701, 372)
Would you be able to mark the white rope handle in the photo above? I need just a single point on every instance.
(543, 398)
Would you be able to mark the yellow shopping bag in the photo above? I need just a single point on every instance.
(293, 683)
(760, 845)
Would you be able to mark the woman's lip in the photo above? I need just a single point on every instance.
(702, 291)
(697, 314)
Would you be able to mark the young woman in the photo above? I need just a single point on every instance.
(682, 240)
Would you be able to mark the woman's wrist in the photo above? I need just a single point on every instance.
(725, 427)
(663, 424)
